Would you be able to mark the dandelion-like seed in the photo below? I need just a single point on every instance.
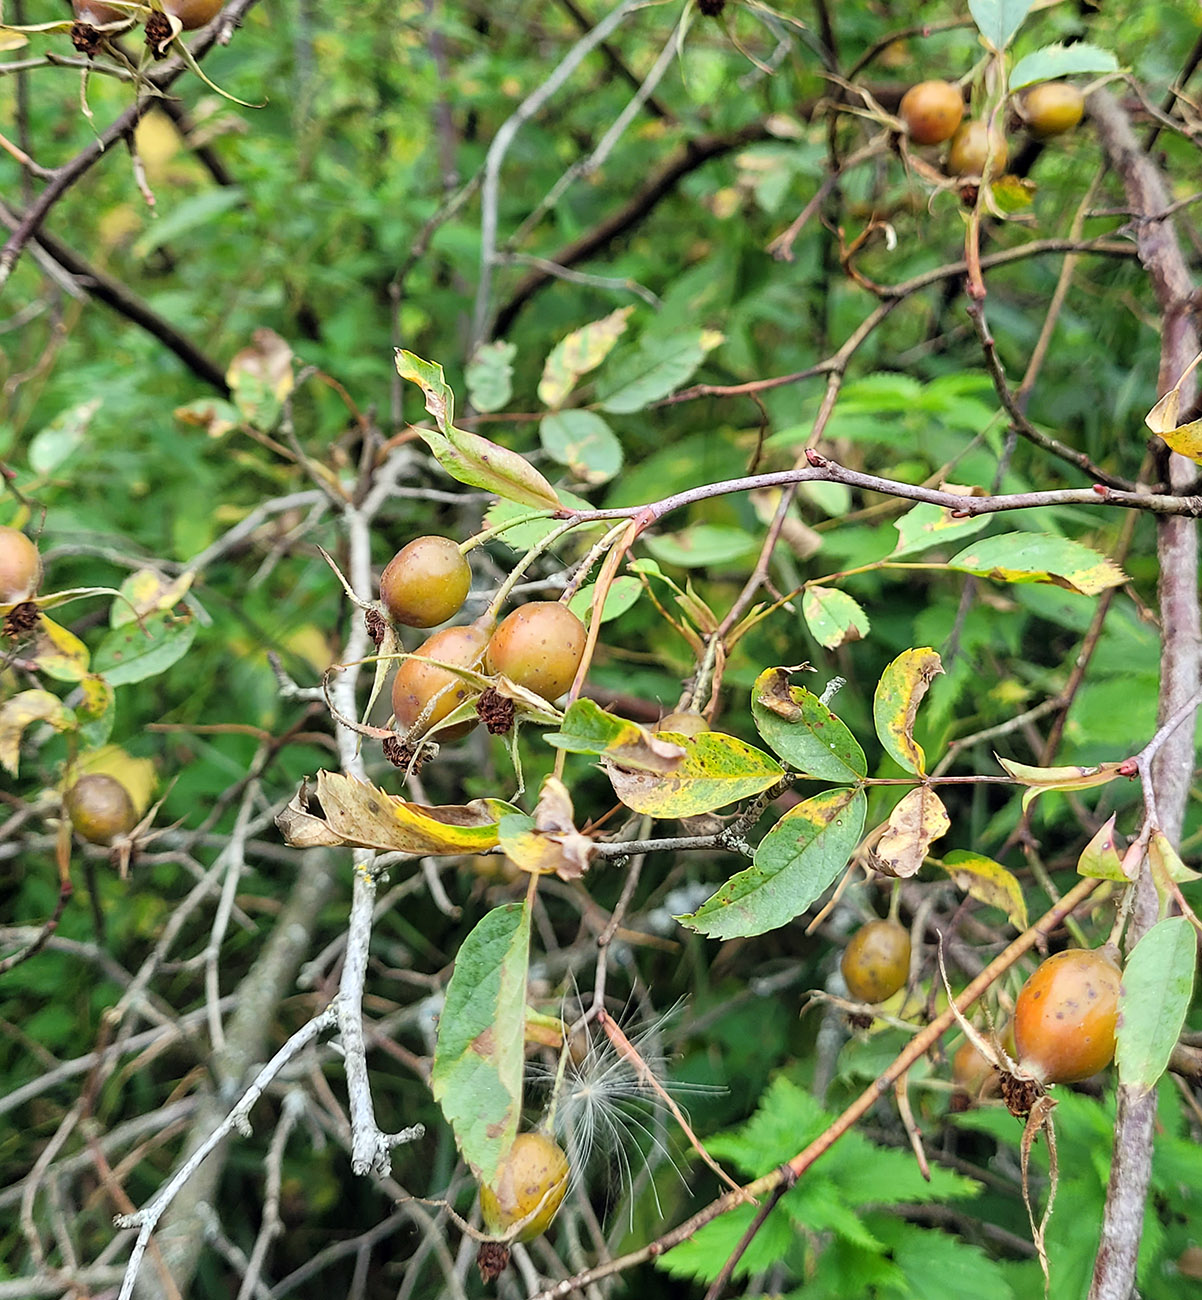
(609, 1101)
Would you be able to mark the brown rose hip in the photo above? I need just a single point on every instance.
(100, 808)
(426, 582)
(539, 646)
(931, 111)
(973, 146)
(416, 684)
(1065, 1016)
(193, 13)
(1051, 108)
(20, 566)
(876, 962)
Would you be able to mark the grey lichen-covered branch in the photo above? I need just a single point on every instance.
(1172, 768)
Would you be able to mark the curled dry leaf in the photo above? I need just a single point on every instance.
(918, 820)
(775, 694)
(360, 814)
(303, 829)
(552, 844)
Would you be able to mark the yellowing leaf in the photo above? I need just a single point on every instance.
(260, 377)
(895, 704)
(989, 883)
(548, 841)
(58, 652)
(1162, 419)
(1187, 440)
(1100, 858)
(716, 770)
(1039, 779)
(22, 711)
(359, 813)
(1166, 863)
(148, 592)
(927, 525)
(214, 415)
(466, 456)
(587, 729)
(579, 352)
(1040, 557)
(918, 820)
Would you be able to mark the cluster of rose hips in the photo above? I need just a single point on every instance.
(1065, 1016)
(933, 113)
(98, 806)
(92, 14)
(538, 647)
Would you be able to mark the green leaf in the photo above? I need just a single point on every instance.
(998, 20)
(833, 616)
(1040, 557)
(188, 215)
(466, 456)
(489, 375)
(936, 1263)
(137, 651)
(478, 1060)
(583, 442)
(1061, 61)
(1100, 859)
(895, 704)
(701, 546)
(803, 731)
(1158, 983)
(796, 862)
(623, 593)
(703, 1253)
(52, 445)
(654, 369)
(928, 525)
(716, 770)
(579, 352)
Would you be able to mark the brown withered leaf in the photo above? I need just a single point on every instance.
(918, 820)
(303, 829)
(552, 844)
(777, 696)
